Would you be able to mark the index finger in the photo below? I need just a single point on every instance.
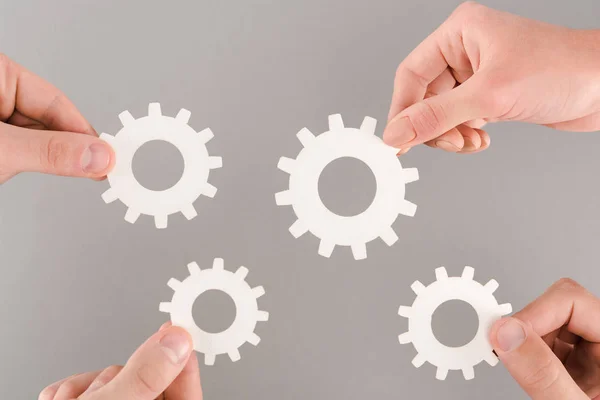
(425, 63)
(33, 97)
(566, 303)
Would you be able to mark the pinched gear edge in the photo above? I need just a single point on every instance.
(429, 298)
(194, 179)
(303, 193)
(233, 284)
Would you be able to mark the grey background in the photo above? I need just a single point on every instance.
(80, 287)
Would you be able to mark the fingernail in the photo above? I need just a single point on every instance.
(399, 132)
(176, 345)
(96, 158)
(446, 146)
(510, 335)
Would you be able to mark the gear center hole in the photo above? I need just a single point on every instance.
(157, 165)
(347, 186)
(455, 323)
(214, 311)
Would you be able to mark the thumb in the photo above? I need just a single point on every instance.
(54, 152)
(151, 369)
(438, 114)
(532, 363)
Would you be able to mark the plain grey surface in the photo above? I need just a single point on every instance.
(80, 287)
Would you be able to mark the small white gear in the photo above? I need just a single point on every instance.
(193, 182)
(233, 284)
(303, 194)
(429, 298)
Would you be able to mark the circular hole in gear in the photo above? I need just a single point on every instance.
(455, 323)
(347, 186)
(157, 165)
(214, 311)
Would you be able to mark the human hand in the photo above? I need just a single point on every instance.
(552, 346)
(163, 368)
(483, 65)
(42, 131)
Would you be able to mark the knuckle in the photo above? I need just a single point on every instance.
(543, 378)
(149, 381)
(53, 154)
(427, 118)
(568, 284)
(4, 61)
(469, 9)
(113, 370)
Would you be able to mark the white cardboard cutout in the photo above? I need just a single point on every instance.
(233, 284)
(193, 182)
(314, 216)
(429, 298)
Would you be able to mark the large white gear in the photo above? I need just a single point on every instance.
(429, 298)
(233, 284)
(193, 182)
(303, 193)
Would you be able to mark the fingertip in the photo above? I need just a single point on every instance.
(48, 393)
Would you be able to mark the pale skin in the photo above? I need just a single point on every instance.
(479, 66)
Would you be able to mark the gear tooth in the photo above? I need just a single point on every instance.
(468, 273)
(410, 175)
(305, 137)
(298, 229)
(418, 361)
(164, 307)
(407, 208)
(283, 198)
(491, 286)
(209, 359)
(126, 118)
(262, 316)
(215, 162)
(160, 221)
(209, 190)
(206, 135)
(359, 251)
(109, 196)
(189, 211)
(468, 373)
(253, 339)
(234, 355)
(326, 248)
(389, 236)
(258, 291)
(405, 311)
(405, 338)
(417, 287)
(491, 359)
(241, 273)
(154, 110)
(441, 374)
(336, 122)
(219, 264)
(287, 165)
(193, 268)
(441, 274)
(174, 283)
(183, 116)
(369, 125)
(505, 309)
(131, 215)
